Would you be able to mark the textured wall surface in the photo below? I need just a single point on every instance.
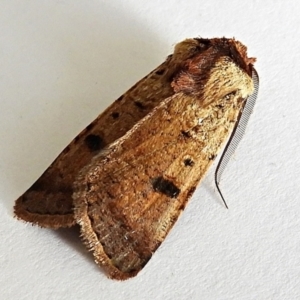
(62, 62)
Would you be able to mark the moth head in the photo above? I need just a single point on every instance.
(220, 67)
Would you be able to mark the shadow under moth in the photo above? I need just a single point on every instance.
(128, 175)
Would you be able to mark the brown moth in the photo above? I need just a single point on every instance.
(128, 198)
(48, 202)
(159, 140)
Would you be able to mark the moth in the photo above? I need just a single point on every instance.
(126, 178)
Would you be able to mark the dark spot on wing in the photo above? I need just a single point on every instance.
(139, 104)
(166, 187)
(160, 72)
(185, 134)
(188, 162)
(94, 142)
(115, 115)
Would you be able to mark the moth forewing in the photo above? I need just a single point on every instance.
(127, 200)
(48, 202)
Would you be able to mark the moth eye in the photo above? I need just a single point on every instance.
(188, 162)
(115, 115)
(94, 142)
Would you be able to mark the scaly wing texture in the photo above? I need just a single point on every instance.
(129, 197)
(48, 202)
